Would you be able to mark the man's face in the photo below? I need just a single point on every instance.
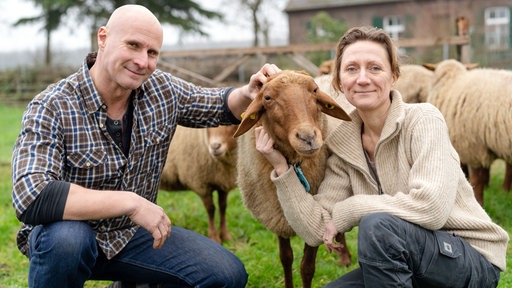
(130, 52)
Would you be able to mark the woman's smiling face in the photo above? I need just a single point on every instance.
(365, 75)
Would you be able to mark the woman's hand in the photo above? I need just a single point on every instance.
(265, 145)
(330, 240)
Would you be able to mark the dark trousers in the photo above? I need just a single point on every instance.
(396, 253)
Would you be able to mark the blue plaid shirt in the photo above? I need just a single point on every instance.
(64, 137)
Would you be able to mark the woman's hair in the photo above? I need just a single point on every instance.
(364, 34)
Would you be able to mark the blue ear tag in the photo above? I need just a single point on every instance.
(301, 176)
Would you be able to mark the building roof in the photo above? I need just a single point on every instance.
(300, 5)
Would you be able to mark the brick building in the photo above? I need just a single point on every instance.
(487, 22)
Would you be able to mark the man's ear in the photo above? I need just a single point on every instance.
(102, 36)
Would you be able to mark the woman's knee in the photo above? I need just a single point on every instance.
(377, 228)
(376, 221)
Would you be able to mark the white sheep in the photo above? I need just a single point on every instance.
(414, 83)
(203, 160)
(476, 105)
(289, 106)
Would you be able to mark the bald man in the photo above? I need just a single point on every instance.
(87, 164)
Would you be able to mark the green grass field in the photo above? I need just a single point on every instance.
(252, 243)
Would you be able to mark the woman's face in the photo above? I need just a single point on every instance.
(365, 75)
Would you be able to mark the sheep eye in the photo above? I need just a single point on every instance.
(315, 90)
(267, 98)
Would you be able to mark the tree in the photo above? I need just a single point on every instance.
(254, 7)
(260, 23)
(51, 18)
(324, 29)
(185, 14)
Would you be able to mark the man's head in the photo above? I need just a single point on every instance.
(128, 48)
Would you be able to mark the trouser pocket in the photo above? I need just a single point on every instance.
(447, 267)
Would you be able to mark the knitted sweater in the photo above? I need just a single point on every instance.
(420, 175)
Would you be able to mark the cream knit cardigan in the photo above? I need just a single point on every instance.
(420, 175)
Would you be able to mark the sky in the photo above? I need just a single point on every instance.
(29, 37)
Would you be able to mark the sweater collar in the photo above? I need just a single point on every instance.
(345, 139)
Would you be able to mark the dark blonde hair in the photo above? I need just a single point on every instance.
(360, 34)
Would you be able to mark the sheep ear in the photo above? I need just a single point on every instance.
(429, 66)
(470, 66)
(250, 117)
(330, 107)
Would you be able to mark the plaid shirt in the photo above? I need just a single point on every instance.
(64, 137)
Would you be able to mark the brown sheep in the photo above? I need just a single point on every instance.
(289, 106)
(203, 160)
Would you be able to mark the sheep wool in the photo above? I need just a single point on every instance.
(203, 160)
(414, 83)
(291, 109)
(476, 105)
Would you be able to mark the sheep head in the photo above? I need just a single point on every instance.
(220, 140)
(289, 107)
(452, 62)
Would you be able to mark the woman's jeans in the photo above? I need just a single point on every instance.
(396, 253)
(66, 254)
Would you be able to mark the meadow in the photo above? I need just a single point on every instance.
(251, 242)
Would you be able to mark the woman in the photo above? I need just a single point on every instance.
(394, 173)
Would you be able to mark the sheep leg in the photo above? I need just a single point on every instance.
(345, 257)
(223, 203)
(507, 181)
(479, 178)
(210, 209)
(308, 265)
(286, 256)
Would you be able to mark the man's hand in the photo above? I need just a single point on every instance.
(152, 218)
(257, 80)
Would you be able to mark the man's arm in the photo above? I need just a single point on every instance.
(89, 204)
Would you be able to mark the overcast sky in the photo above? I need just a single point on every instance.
(29, 37)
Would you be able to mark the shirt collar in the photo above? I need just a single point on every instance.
(92, 98)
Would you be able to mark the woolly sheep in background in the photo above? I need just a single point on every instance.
(203, 160)
(476, 104)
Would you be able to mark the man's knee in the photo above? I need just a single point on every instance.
(65, 239)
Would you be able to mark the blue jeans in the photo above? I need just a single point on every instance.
(66, 254)
(396, 253)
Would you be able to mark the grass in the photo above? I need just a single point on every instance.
(252, 243)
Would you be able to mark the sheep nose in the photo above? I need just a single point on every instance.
(307, 136)
(215, 146)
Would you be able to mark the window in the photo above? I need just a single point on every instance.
(497, 28)
(393, 25)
